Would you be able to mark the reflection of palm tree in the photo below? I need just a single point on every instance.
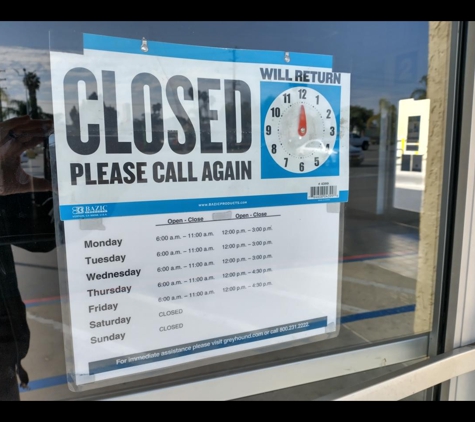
(20, 108)
(17, 108)
(421, 93)
(32, 83)
(359, 117)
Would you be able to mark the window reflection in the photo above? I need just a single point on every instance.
(388, 63)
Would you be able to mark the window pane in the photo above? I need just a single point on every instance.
(390, 222)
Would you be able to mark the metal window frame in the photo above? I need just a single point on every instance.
(461, 310)
(411, 380)
(260, 381)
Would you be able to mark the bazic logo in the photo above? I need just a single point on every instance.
(78, 210)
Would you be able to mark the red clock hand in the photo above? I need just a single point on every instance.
(302, 121)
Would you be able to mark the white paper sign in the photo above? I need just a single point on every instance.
(195, 186)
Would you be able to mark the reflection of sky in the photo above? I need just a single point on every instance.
(385, 59)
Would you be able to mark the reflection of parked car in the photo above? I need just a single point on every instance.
(356, 155)
(359, 141)
(311, 146)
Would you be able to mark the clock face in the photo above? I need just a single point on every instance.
(300, 129)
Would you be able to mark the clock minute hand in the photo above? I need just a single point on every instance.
(302, 130)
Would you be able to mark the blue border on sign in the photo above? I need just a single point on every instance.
(185, 51)
(124, 209)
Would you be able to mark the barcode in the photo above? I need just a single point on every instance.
(323, 191)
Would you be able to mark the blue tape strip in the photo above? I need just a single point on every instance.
(155, 48)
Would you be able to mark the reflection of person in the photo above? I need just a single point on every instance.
(16, 136)
(26, 222)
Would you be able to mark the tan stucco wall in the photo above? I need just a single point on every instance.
(437, 87)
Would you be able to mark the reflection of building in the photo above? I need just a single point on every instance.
(411, 153)
(411, 159)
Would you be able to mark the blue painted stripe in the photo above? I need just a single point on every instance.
(43, 303)
(59, 380)
(123, 209)
(378, 256)
(45, 383)
(155, 48)
(377, 314)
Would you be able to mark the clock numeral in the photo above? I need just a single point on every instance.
(303, 94)
(317, 162)
(286, 98)
(268, 129)
(286, 161)
(329, 114)
(302, 166)
(332, 130)
(274, 148)
(327, 147)
(317, 98)
(275, 111)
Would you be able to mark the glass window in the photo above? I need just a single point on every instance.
(383, 238)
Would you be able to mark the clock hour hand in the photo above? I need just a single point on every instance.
(302, 130)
